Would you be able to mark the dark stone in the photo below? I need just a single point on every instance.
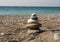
(35, 18)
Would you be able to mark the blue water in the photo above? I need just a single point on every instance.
(28, 10)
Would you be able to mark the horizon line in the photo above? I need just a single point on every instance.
(30, 6)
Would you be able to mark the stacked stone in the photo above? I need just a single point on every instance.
(32, 23)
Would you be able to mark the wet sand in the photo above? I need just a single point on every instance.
(11, 25)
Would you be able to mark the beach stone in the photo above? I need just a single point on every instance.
(32, 21)
(2, 34)
(57, 36)
(33, 25)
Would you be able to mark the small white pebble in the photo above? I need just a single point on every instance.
(32, 35)
(48, 18)
(2, 34)
(57, 36)
(32, 21)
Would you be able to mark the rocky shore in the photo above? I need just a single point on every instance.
(12, 28)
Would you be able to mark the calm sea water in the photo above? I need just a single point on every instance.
(28, 10)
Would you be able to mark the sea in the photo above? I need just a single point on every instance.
(9, 10)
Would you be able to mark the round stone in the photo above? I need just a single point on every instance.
(57, 36)
(2, 34)
(32, 21)
(33, 14)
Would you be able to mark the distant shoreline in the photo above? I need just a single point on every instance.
(29, 14)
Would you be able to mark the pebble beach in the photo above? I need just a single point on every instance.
(11, 25)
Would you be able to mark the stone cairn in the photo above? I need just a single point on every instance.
(33, 25)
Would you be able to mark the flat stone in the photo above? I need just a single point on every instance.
(33, 25)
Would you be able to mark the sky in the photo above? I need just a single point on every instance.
(30, 3)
